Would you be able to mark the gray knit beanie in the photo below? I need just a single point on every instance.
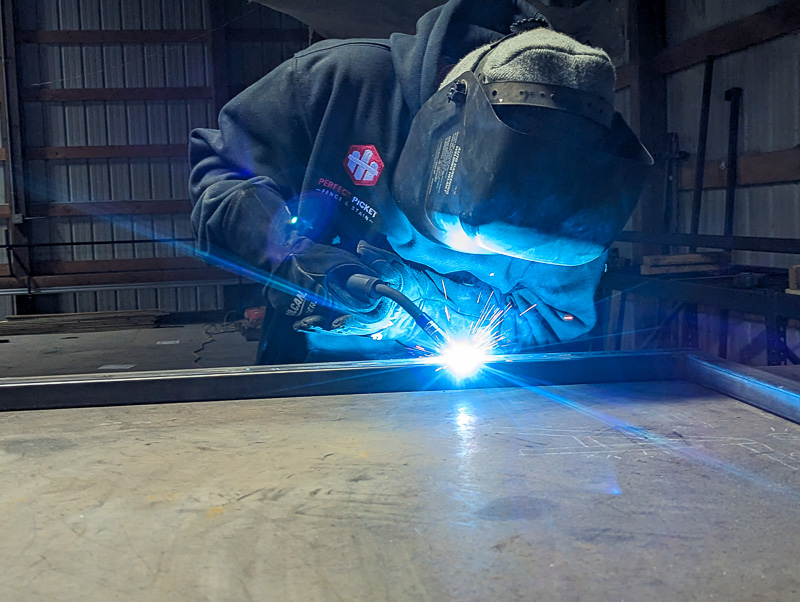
(543, 56)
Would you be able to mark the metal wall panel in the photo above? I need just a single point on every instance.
(98, 123)
(769, 75)
(249, 61)
(7, 306)
(770, 121)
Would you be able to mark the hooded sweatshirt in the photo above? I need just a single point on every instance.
(310, 150)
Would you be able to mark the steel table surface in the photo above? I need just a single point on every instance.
(661, 490)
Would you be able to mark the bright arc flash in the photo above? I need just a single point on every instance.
(464, 358)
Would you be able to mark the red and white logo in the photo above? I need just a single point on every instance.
(364, 164)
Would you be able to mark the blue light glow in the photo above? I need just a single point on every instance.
(464, 419)
(294, 220)
(463, 358)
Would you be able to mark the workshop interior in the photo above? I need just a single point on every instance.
(164, 434)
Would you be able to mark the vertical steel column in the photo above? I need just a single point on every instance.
(12, 133)
(648, 117)
(734, 96)
(776, 331)
(702, 143)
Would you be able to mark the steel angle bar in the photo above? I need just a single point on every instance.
(775, 394)
(712, 241)
(340, 378)
(719, 297)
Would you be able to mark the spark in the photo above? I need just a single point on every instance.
(466, 353)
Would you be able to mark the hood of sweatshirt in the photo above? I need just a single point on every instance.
(445, 35)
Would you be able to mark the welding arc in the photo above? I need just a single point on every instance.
(375, 287)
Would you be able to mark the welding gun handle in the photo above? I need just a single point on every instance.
(364, 285)
(375, 287)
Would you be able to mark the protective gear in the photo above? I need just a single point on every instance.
(543, 56)
(457, 307)
(279, 157)
(311, 282)
(473, 183)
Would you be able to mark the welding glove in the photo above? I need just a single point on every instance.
(456, 305)
(309, 285)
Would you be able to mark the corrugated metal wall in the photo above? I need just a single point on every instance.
(125, 122)
(770, 121)
(769, 74)
(251, 59)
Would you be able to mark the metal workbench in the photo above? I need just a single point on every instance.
(569, 477)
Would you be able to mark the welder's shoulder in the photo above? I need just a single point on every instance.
(357, 62)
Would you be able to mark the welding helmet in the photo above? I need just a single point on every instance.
(476, 181)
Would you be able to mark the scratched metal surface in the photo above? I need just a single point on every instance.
(646, 491)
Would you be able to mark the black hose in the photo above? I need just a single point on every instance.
(375, 287)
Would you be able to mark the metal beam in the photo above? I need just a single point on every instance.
(728, 243)
(335, 378)
(719, 297)
(774, 394)
(777, 395)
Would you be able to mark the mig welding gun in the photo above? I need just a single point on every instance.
(291, 350)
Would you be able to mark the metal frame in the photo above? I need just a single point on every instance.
(774, 394)
(776, 307)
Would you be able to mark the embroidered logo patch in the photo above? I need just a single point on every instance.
(364, 164)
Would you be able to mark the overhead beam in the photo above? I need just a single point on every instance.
(711, 241)
(66, 37)
(777, 167)
(111, 94)
(96, 208)
(768, 24)
(143, 278)
(102, 266)
(127, 151)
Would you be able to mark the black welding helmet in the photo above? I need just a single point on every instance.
(477, 183)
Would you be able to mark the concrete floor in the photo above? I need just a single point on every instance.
(645, 491)
(127, 350)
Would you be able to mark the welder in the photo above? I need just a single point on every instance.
(475, 166)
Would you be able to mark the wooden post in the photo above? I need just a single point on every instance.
(647, 24)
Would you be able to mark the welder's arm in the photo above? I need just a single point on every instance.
(242, 173)
(549, 304)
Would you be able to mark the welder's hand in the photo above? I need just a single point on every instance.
(382, 313)
(456, 305)
(311, 282)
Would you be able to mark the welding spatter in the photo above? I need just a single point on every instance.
(375, 287)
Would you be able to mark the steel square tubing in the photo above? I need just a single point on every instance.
(774, 394)
(333, 378)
